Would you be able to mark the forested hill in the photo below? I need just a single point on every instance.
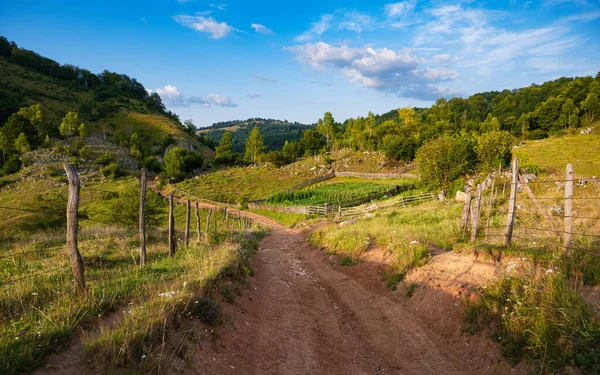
(274, 132)
(540, 110)
(110, 104)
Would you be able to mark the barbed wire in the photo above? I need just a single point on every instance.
(31, 276)
(545, 230)
(549, 244)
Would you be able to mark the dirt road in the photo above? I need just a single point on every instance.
(301, 315)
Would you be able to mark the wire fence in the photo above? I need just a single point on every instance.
(541, 223)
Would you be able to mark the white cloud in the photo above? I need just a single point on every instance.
(253, 96)
(264, 79)
(356, 21)
(262, 29)
(399, 10)
(203, 24)
(317, 28)
(171, 97)
(386, 70)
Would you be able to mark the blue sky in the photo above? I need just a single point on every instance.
(218, 61)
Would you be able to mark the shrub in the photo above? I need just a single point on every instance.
(124, 209)
(151, 163)
(12, 165)
(445, 159)
(493, 149)
(113, 170)
(105, 158)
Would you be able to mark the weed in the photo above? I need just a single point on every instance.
(412, 288)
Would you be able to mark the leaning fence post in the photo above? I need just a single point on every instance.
(476, 214)
(216, 214)
(489, 212)
(568, 210)
(187, 225)
(198, 223)
(142, 223)
(171, 227)
(208, 222)
(512, 202)
(72, 210)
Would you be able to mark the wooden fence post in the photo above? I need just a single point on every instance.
(464, 221)
(512, 203)
(216, 212)
(491, 200)
(171, 227)
(476, 214)
(568, 210)
(208, 223)
(224, 214)
(198, 223)
(72, 210)
(142, 223)
(187, 225)
(339, 211)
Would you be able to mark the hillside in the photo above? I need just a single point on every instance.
(274, 132)
(113, 106)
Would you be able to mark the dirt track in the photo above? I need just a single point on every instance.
(301, 315)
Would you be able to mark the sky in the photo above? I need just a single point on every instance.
(295, 60)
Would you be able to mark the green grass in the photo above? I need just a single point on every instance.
(332, 193)
(241, 184)
(289, 220)
(540, 314)
(405, 234)
(553, 154)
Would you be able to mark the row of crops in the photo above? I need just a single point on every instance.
(345, 193)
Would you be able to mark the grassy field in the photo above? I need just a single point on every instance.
(240, 184)
(406, 234)
(40, 312)
(289, 220)
(553, 154)
(319, 195)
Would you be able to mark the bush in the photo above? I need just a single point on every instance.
(113, 170)
(493, 149)
(152, 164)
(105, 158)
(175, 161)
(537, 134)
(12, 165)
(445, 159)
(124, 209)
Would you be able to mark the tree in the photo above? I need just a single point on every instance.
(493, 149)
(291, 150)
(224, 153)
(590, 107)
(490, 124)
(124, 210)
(328, 128)
(312, 142)
(443, 160)
(189, 126)
(175, 162)
(69, 124)
(408, 116)
(22, 144)
(254, 145)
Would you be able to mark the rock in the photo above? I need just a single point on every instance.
(347, 222)
(460, 196)
(557, 209)
(586, 131)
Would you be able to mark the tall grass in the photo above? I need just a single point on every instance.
(39, 314)
(404, 234)
(540, 314)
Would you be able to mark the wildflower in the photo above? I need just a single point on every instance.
(550, 271)
(143, 356)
